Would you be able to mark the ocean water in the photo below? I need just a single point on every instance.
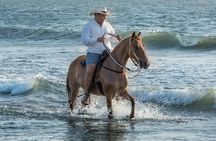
(175, 98)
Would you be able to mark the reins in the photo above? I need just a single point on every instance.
(124, 67)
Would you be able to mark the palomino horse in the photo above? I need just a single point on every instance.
(112, 76)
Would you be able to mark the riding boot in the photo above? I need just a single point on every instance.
(86, 99)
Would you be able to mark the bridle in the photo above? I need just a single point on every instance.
(134, 50)
(124, 67)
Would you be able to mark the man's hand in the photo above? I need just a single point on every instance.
(118, 37)
(100, 39)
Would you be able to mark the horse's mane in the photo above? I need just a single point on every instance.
(123, 40)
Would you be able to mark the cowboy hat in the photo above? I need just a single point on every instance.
(102, 10)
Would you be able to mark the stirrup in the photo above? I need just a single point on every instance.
(86, 99)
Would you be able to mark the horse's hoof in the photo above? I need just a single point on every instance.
(132, 117)
(110, 116)
(86, 99)
(71, 107)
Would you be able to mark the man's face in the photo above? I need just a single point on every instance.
(100, 18)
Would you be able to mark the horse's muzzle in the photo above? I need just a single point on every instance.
(144, 64)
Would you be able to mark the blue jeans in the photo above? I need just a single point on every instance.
(92, 58)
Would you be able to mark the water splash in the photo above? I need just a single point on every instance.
(121, 110)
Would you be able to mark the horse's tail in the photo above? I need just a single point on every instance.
(67, 86)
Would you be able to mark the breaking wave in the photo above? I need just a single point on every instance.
(164, 40)
(22, 86)
(27, 33)
(187, 98)
(178, 98)
(153, 40)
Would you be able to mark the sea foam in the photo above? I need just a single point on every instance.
(19, 85)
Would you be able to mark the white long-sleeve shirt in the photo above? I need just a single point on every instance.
(91, 31)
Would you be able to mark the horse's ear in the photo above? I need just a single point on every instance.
(133, 35)
(139, 34)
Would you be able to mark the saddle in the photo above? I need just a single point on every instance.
(101, 60)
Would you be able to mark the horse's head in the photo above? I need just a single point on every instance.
(138, 54)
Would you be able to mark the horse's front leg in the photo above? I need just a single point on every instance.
(109, 106)
(131, 99)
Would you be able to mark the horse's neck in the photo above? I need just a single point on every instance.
(120, 53)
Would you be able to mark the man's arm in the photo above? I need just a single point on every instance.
(86, 38)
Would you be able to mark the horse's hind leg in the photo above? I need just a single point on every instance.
(131, 99)
(73, 91)
(72, 97)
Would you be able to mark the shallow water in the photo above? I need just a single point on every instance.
(175, 98)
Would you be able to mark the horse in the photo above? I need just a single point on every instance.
(112, 76)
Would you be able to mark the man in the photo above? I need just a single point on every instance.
(93, 37)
